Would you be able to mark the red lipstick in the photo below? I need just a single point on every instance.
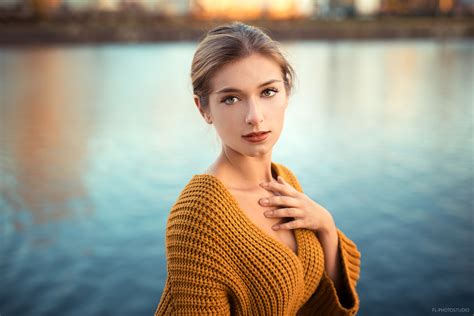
(256, 137)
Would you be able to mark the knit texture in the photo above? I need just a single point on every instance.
(220, 263)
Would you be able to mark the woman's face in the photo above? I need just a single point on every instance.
(248, 96)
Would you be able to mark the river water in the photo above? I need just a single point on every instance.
(96, 143)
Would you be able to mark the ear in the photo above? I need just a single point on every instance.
(204, 114)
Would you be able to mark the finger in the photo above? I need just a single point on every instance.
(285, 212)
(280, 201)
(283, 181)
(297, 223)
(281, 187)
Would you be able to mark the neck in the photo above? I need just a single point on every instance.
(242, 172)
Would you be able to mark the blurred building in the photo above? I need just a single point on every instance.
(346, 8)
(426, 7)
(45, 6)
(367, 7)
(247, 9)
(173, 7)
(162, 7)
(107, 5)
(115, 5)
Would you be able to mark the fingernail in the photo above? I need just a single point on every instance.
(264, 184)
(264, 201)
(268, 213)
(276, 226)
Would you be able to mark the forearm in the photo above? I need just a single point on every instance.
(332, 261)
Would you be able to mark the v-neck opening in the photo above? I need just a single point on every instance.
(236, 204)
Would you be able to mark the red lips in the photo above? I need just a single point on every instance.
(256, 137)
(255, 134)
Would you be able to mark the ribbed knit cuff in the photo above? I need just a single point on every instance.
(346, 302)
(326, 300)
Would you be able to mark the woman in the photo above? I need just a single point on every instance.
(243, 238)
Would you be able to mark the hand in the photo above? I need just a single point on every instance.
(307, 213)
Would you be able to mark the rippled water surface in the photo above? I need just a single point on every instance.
(97, 142)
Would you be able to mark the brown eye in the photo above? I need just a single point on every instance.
(269, 92)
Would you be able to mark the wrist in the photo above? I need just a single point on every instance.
(329, 227)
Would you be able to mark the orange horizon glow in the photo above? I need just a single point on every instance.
(246, 9)
(446, 5)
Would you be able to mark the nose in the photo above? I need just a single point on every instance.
(254, 113)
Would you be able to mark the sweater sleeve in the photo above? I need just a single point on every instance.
(327, 300)
(195, 283)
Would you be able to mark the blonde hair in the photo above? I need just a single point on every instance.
(230, 42)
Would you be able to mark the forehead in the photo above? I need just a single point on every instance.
(246, 73)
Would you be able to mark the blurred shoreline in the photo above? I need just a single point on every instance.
(145, 29)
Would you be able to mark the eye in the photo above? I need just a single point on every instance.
(230, 100)
(270, 92)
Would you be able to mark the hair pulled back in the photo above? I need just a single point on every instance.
(228, 43)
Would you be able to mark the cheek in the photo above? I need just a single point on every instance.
(278, 102)
(277, 109)
(283, 100)
(278, 119)
(227, 124)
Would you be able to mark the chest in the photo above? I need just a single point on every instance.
(248, 203)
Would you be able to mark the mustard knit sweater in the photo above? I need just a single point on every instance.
(220, 263)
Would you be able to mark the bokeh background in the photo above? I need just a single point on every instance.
(99, 134)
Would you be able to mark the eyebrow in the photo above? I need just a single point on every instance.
(230, 89)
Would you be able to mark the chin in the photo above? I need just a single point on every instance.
(249, 152)
(258, 151)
